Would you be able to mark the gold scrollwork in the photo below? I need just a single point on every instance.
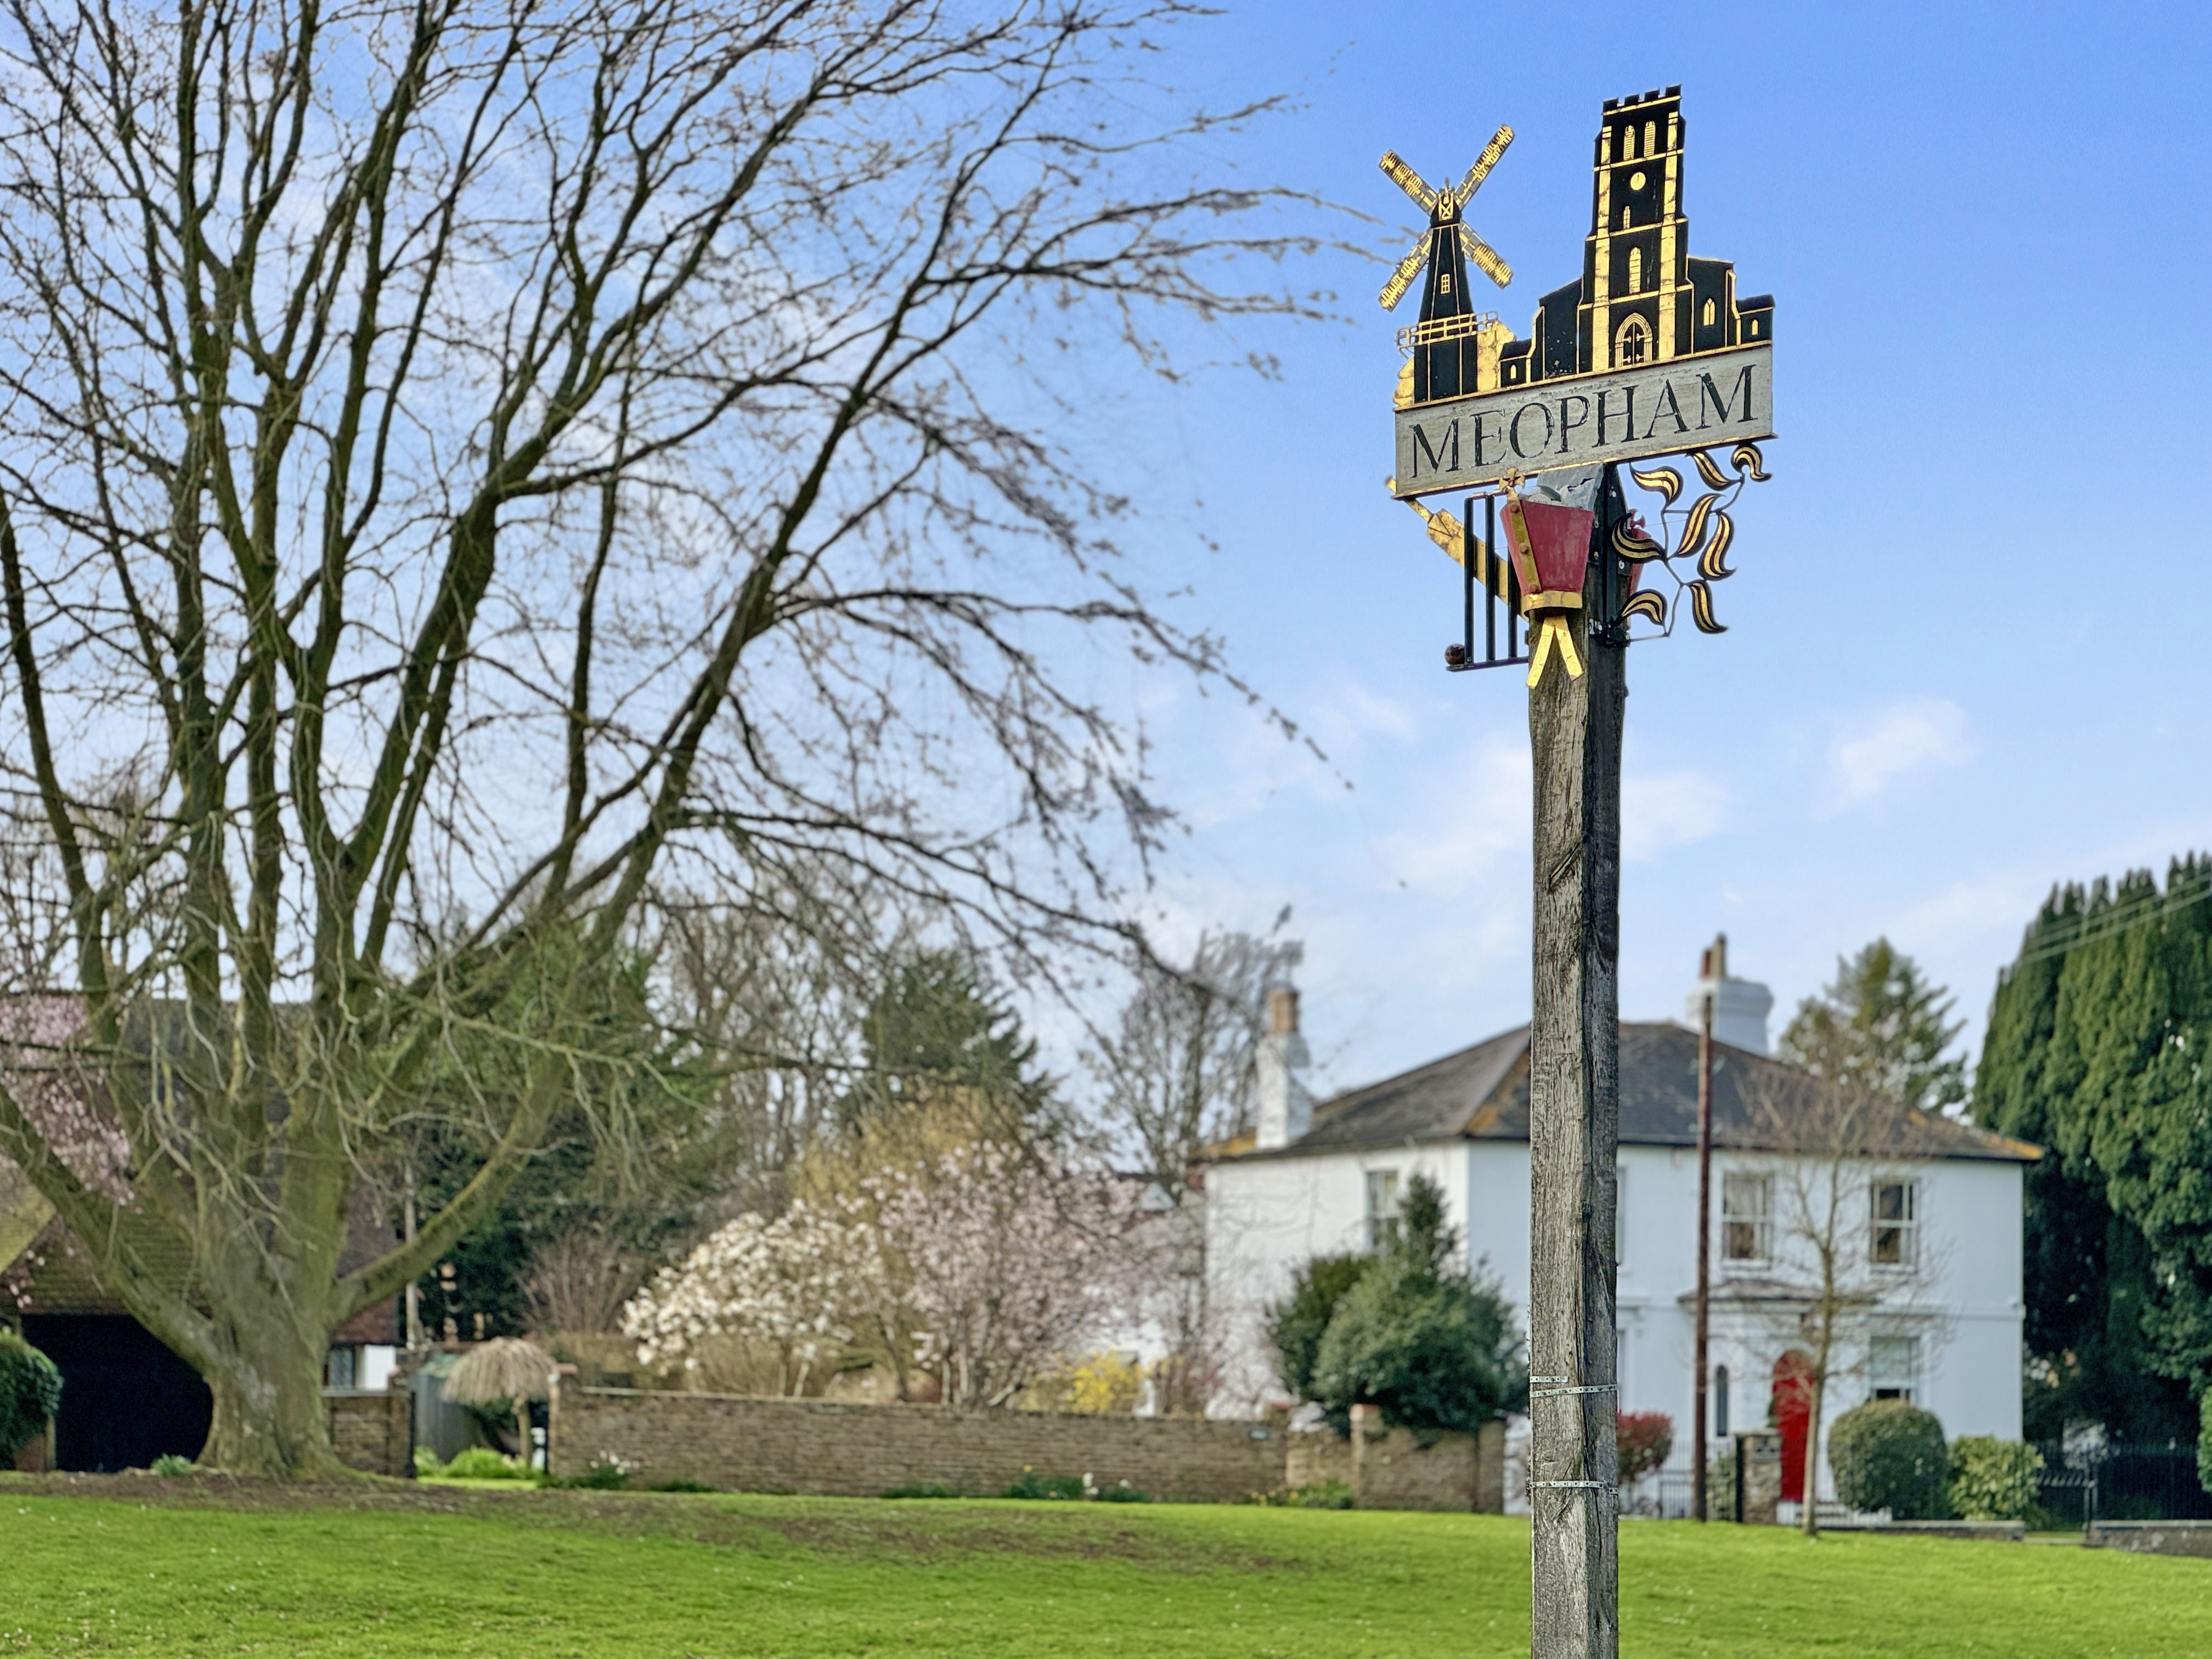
(1707, 534)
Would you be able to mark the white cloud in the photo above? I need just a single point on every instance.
(1478, 820)
(1669, 809)
(1891, 744)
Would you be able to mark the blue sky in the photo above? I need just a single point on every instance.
(1965, 653)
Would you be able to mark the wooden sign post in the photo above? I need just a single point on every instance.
(1650, 354)
(1574, 1124)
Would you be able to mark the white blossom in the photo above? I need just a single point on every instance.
(1007, 1264)
(796, 1283)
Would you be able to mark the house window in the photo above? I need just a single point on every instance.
(1892, 1367)
(1381, 1205)
(1747, 1218)
(1896, 1222)
(1633, 343)
(1636, 271)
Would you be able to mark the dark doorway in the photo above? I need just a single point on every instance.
(126, 1400)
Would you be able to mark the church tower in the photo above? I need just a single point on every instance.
(1642, 298)
(1635, 306)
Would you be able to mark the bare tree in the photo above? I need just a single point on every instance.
(471, 462)
(576, 1285)
(1847, 1250)
(766, 988)
(1177, 1071)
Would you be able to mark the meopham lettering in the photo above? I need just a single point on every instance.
(1654, 409)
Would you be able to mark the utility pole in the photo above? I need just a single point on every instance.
(1716, 965)
(414, 1286)
(1574, 1123)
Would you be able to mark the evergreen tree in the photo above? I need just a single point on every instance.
(938, 1035)
(1418, 1335)
(2095, 1051)
(1881, 1025)
(1297, 1324)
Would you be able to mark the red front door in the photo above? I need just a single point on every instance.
(1793, 1413)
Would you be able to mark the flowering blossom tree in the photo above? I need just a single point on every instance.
(799, 1284)
(1007, 1264)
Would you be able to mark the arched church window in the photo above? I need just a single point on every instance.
(1625, 220)
(1711, 311)
(1651, 137)
(1628, 144)
(1636, 271)
(1632, 344)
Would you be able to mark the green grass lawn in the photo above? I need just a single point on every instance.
(584, 1573)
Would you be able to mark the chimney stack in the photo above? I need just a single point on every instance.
(1283, 1110)
(1740, 1005)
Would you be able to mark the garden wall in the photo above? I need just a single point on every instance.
(747, 1443)
(368, 1428)
(1394, 1469)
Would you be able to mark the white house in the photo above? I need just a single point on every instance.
(1933, 1240)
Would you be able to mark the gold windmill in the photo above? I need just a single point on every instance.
(1448, 343)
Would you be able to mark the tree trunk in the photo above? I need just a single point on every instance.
(1811, 1519)
(1574, 1111)
(269, 1414)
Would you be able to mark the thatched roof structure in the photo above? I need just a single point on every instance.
(495, 1372)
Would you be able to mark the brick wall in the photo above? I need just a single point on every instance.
(1318, 1455)
(368, 1428)
(1392, 1470)
(748, 1443)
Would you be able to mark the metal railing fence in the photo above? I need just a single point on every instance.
(2121, 1480)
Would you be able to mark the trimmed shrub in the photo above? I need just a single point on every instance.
(170, 1463)
(1644, 1440)
(1889, 1455)
(30, 1393)
(1993, 1480)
